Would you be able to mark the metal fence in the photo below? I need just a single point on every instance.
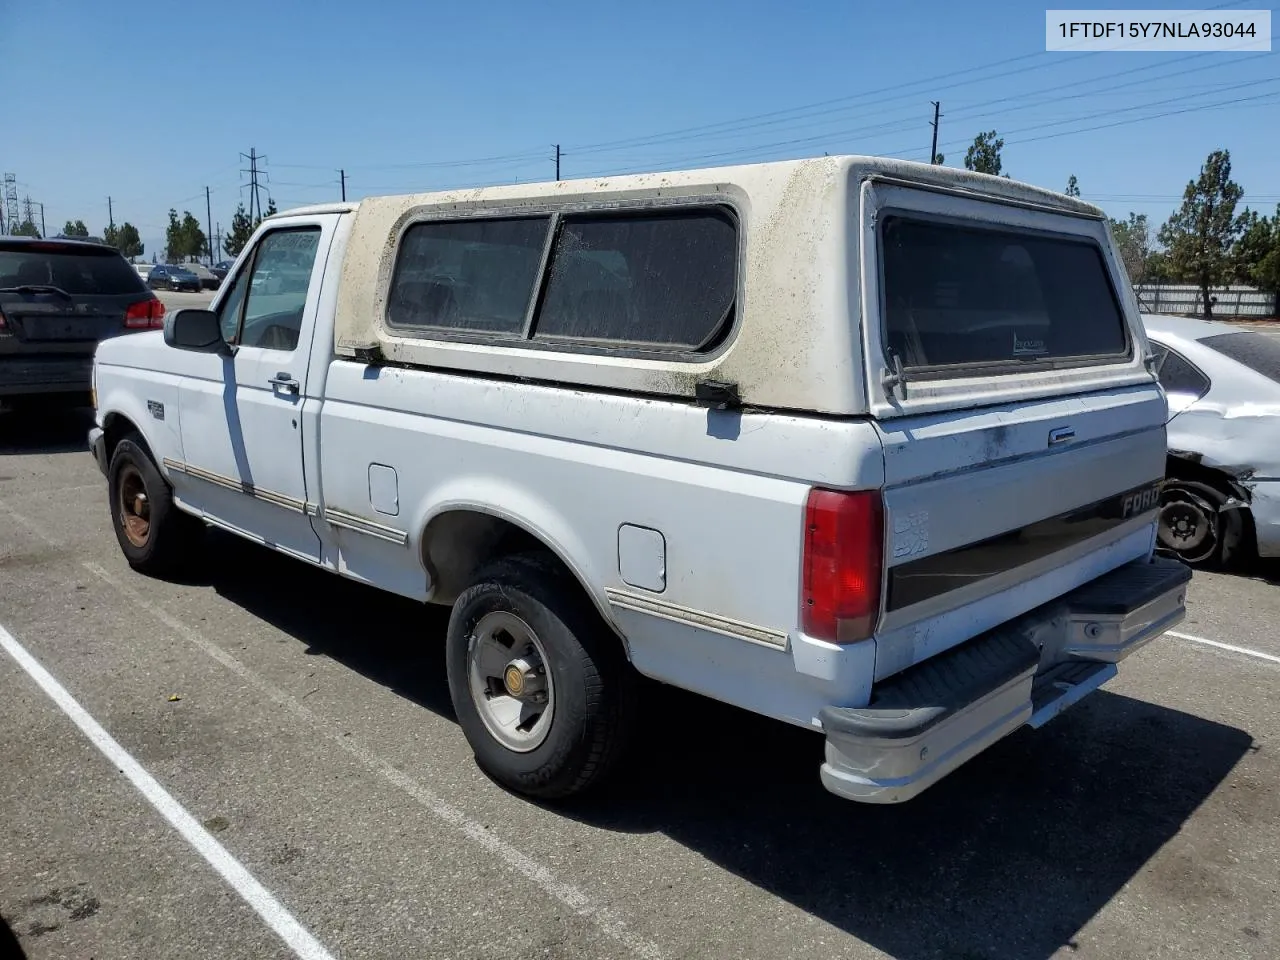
(1181, 298)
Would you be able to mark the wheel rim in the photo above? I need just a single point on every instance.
(135, 506)
(1188, 526)
(510, 682)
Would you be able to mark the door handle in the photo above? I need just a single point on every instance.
(284, 382)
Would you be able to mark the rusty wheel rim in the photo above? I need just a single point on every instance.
(135, 506)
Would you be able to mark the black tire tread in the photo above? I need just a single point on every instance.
(172, 531)
(608, 681)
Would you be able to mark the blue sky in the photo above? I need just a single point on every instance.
(152, 102)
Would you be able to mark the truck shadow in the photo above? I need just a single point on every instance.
(57, 429)
(1007, 858)
(10, 949)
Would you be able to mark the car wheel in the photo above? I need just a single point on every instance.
(541, 686)
(154, 535)
(1198, 525)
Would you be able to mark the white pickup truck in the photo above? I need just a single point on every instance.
(867, 446)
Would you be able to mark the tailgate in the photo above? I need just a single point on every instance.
(1023, 433)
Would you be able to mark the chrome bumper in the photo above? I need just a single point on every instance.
(98, 447)
(928, 720)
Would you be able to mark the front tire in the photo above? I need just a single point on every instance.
(1197, 526)
(154, 535)
(542, 689)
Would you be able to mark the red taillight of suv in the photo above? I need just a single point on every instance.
(843, 563)
(144, 315)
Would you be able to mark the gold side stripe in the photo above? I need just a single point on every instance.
(736, 629)
(349, 521)
(230, 483)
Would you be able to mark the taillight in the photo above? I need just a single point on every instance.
(144, 315)
(4, 324)
(843, 559)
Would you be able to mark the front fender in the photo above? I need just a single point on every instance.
(154, 418)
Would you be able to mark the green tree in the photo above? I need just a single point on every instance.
(26, 229)
(1257, 238)
(983, 155)
(242, 227)
(75, 228)
(1133, 240)
(939, 158)
(125, 239)
(1199, 237)
(1158, 268)
(183, 238)
(241, 230)
(1073, 186)
(1256, 255)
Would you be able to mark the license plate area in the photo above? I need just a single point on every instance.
(46, 329)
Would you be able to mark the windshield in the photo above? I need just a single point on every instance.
(77, 271)
(1257, 351)
(957, 295)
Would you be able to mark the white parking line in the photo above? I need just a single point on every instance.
(601, 916)
(228, 867)
(1257, 654)
(606, 920)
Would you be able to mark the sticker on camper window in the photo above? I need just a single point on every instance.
(1028, 346)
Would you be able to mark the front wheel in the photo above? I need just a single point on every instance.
(541, 687)
(1197, 524)
(154, 535)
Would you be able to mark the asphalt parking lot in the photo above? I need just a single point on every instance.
(303, 724)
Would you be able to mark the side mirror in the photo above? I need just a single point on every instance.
(195, 330)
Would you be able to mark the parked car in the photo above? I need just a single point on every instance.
(1221, 501)
(208, 279)
(866, 446)
(222, 268)
(144, 269)
(58, 300)
(166, 276)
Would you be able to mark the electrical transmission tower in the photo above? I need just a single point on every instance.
(256, 176)
(11, 215)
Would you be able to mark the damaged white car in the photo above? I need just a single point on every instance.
(1221, 501)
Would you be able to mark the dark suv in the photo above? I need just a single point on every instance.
(58, 299)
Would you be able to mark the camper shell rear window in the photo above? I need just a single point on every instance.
(960, 299)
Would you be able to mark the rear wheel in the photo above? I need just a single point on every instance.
(542, 689)
(154, 535)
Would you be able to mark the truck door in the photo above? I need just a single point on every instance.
(241, 419)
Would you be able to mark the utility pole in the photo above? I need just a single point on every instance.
(217, 239)
(208, 222)
(933, 151)
(43, 231)
(111, 219)
(557, 161)
(342, 178)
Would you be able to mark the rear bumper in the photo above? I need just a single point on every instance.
(1265, 507)
(20, 376)
(927, 721)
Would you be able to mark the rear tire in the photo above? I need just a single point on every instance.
(528, 612)
(155, 536)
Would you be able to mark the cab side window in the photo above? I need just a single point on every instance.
(265, 304)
